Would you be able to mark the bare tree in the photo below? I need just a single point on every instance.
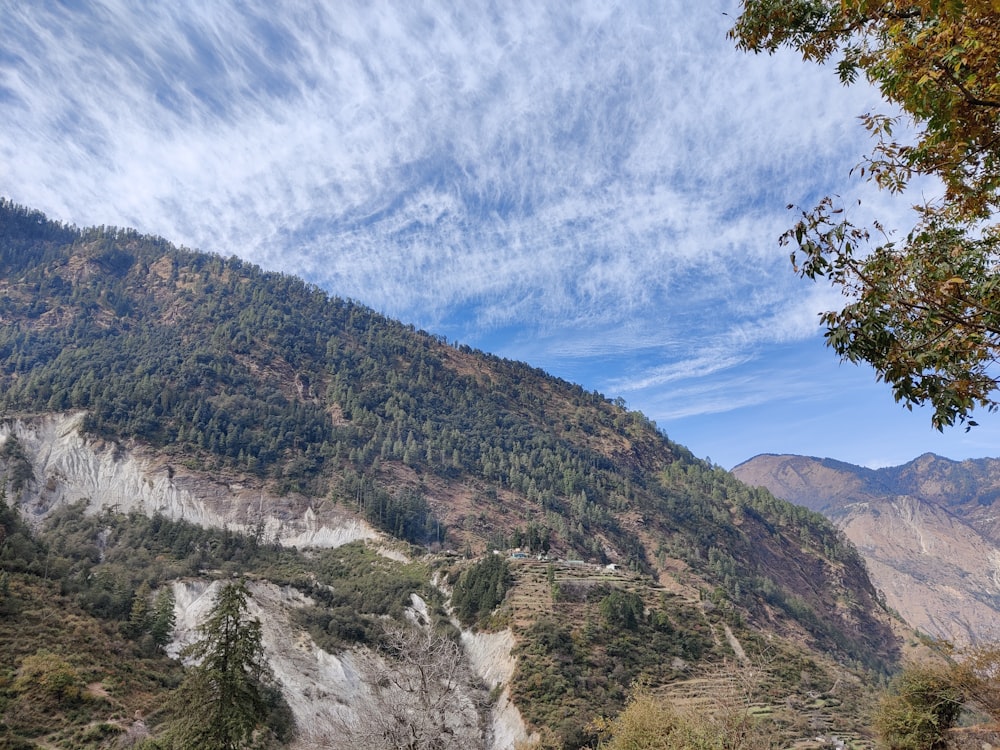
(423, 696)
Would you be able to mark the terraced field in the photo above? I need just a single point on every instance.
(804, 719)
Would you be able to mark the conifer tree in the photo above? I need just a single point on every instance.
(139, 618)
(223, 700)
(162, 626)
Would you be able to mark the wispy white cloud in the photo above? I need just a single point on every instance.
(608, 179)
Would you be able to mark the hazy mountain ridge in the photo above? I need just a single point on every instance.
(927, 530)
(144, 377)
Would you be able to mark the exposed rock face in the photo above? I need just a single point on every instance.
(928, 531)
(490, 656)
(326, 691)
(323, 690)
(68, 468)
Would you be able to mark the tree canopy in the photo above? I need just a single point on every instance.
(424, 697)
(923, 309)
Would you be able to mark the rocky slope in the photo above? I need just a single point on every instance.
(285, 405)
(327, 692)
(66, 468)
(928, 531)
(324, 690)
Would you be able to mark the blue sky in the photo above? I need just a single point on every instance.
(595, 188)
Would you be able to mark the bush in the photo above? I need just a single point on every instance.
(48, 676)
(650, 722)
(922, 703)
(646, 723)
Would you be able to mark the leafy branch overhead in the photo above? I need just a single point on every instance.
(924, 310)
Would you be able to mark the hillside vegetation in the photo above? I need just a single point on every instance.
(224, 369)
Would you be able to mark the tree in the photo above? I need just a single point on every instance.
(646, 723)
(925, 700)
(480, 588)
(162, 626)
(622, 610)
(977, 673)
(924, 311)
(223, 700)
(139, 618)
(424, 697)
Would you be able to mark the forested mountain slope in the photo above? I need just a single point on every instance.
(297, 406)
(929, 531)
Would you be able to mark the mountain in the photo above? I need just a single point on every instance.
(929, 531)
(171, 418)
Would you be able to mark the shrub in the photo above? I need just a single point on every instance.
(922, 703)
(48, 676)
(650, 722)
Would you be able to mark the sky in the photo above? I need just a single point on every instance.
(595, 188)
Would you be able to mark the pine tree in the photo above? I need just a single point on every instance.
(223, 700)
(139, 619)
(162, 626)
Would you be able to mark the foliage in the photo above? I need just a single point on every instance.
(51, 653)
(922, 703)
(646, 723)
(222, 703)
(356, 589)
(151, 620)
(481, 588)
(544, 739)
(404, 514)
(18, 468)
(161, 621)
(49, 676)
(19, 550)
(976, 672)
(925, 700)
(622, 610)
(924, 311)
(574, 665)
(651, 722)
(111, 562)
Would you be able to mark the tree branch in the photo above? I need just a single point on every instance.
(969, 96)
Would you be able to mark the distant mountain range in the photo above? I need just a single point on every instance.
(929, 531)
